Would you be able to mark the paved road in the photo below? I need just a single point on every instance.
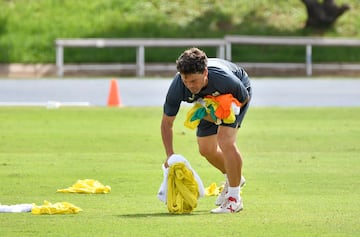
(151, 92)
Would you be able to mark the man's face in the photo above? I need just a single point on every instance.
(195, 81)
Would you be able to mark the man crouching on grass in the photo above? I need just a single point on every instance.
(197, 78)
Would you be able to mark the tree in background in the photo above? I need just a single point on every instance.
(323, 14)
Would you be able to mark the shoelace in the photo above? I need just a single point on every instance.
(230, 199)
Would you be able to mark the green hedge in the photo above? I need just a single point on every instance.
(28, 29)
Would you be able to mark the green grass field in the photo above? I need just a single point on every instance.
(301, 164)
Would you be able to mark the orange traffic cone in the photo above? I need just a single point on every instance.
(114, 97)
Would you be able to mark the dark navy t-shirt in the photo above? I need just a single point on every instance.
(224, 78)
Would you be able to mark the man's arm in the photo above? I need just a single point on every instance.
(167, 135)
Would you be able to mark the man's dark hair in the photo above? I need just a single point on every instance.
(192, 61)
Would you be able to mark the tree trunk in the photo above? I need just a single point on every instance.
(323, 14)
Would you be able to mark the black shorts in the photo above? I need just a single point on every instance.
(206, 128)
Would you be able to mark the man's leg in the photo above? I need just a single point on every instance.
(233, 160)
(208, 147)
(221, 151)
(233, 167)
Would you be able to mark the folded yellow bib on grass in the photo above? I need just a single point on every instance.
(183, 191)
(181, 186)
(55, 208)
(213, 190)
(86, 186)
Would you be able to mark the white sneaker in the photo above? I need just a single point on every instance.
(221, 198)
(230, 206)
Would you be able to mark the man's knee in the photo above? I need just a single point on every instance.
(207, 146)
(204, 151)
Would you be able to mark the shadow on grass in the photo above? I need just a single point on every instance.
(161, 214)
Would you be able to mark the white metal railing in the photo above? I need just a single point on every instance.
(308, 42)
(223, 48)
(139, 44)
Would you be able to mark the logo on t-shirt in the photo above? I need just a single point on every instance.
(192, 98)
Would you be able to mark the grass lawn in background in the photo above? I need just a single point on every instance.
(301, 164)
(29, 29)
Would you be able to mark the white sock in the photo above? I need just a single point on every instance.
(234, 192)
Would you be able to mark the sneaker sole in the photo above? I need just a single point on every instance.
(236, 211)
